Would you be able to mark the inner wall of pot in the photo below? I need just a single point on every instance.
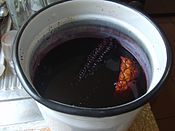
(89, 28)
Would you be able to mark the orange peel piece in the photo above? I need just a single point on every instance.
(128, 73)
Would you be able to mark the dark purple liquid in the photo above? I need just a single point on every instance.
(57, 75)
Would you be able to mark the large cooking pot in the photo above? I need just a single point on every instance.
(135, 31)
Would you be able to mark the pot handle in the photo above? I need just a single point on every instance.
(137, 4)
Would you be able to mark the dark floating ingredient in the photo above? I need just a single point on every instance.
(96, 57)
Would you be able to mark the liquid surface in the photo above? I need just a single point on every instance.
(59, 75)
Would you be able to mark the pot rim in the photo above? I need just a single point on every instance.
(83, 111)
